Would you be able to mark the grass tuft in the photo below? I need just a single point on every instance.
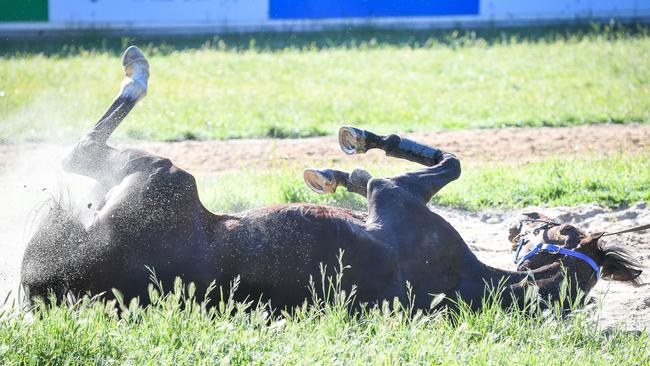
(178, 328)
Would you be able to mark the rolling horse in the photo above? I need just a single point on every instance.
(150, 216)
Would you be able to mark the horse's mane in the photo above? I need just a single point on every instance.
(619, 257)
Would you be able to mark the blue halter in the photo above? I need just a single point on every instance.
(554, 249)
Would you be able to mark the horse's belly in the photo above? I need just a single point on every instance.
(279, 254)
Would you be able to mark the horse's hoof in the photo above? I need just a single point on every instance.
(131, 54)
(135, 84)
(320, 180)
(353, 140)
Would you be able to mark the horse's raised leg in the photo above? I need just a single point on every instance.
(91, 156)
(399, 216)
(442, 168)
(136, 182)
(327, 180)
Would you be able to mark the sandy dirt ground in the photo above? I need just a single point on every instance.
(510, 144)
(615, 302)
(28, 170)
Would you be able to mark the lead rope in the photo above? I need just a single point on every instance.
(631, 230)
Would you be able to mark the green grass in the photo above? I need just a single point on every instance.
(216, 92)
(610, 180)
(179, 330)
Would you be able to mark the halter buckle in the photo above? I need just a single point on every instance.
(552, 249)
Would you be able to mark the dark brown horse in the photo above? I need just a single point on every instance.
(151, 216)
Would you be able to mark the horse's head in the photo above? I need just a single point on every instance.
(531, 229)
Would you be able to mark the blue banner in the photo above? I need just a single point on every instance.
(319, 9)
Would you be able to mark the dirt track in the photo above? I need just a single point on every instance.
(26, 168)
(511, 144)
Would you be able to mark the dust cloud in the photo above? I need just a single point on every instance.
(29, 185)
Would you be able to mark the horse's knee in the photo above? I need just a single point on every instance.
(164, 169)
(452, 166)
(170, 179)
(375, 184)
(182, 178)
(383, 191)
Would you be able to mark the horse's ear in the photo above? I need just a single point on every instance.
(594, 236)
(590, 241)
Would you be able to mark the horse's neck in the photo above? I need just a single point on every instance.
(547, 280)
